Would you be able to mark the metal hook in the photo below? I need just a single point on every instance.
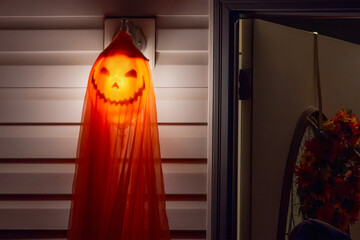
(135, 32)
(124, 25)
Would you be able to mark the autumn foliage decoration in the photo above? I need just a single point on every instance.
(328, 174)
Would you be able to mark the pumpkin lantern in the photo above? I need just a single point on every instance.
(118, 189)
(117, 81)
(120, 77)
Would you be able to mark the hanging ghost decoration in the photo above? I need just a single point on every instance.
(118, 189)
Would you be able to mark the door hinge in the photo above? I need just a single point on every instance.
(245, 83)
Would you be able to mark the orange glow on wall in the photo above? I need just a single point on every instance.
(118, 189)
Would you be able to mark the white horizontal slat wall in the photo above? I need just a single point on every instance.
(46, 53)
(50, 178)
(127, 8)
(59, 142)
(174, 105)
(75, 76)
(54, 215)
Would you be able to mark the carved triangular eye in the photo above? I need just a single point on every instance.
(131, 73)
(105, 71)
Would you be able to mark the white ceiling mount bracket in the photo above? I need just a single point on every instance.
(142, 31)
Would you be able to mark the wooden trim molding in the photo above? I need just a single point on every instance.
(59, 197)
(61, 234)
(315, 8)
(72, 160)
(225, 125)
(78, 124)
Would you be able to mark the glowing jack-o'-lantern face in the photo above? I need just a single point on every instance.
(118, 79)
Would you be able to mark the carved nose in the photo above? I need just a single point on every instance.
(115, 85)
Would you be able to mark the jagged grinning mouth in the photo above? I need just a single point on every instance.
(137, 94)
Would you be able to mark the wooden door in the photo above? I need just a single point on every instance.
(283, 88)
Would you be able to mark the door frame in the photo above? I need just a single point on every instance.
(224, 187)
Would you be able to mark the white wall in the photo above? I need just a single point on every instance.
(46, 52)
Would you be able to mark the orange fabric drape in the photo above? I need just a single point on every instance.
(118, 189)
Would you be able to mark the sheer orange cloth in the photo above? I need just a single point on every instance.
(118, 189)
